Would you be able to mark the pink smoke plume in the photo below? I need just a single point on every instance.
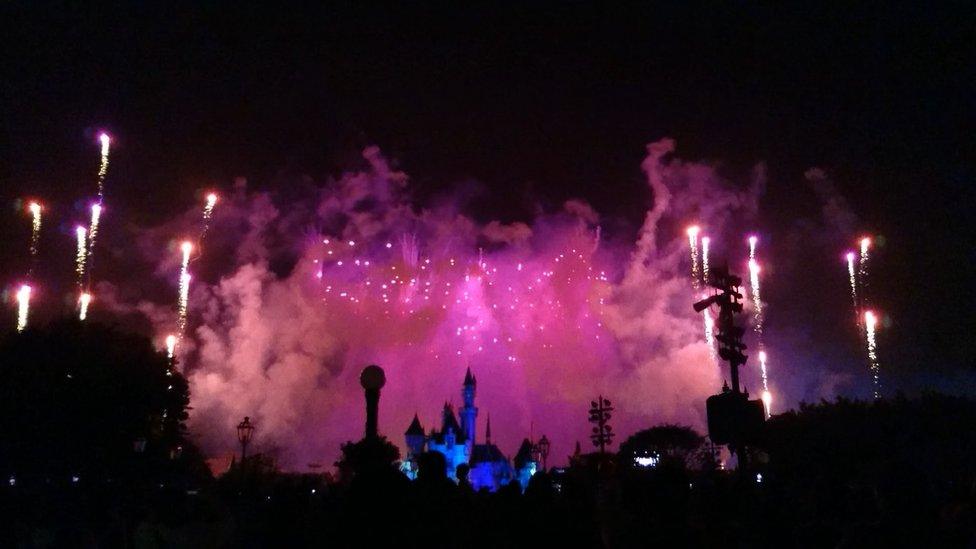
(545, 314)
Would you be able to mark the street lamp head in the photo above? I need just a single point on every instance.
(372, 377)
(245, 430)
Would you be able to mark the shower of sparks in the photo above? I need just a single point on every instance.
(96, 216)
(103, 166)
(184, 298)
(693, 244)
(758, 319)
(83, 301)
(23, 306)
(870, 325)
(766, 395)
(705, 241)
(208, 214)
(35, 210)
(81, 255)
(186, 248)
(862, 273)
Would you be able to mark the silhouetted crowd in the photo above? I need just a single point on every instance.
(597, 504)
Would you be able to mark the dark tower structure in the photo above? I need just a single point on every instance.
(468, 412)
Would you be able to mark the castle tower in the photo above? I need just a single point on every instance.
(415, 438)
(468, 412)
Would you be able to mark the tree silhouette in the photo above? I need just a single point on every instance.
(367, 456)
(669, 444)
(87, 401)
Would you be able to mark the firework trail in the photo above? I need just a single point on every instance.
(96, 210)
(870, 324)
(83, 301)
(83, 259)
(81, 255)
(757, 306)
(705, 241)
(710, 333)
(758, 319)
(693, 244)
(767, 397)
(187, 248)
(35, 210)
(852, 278)
(23, 306)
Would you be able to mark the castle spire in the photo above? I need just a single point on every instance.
(415, 427)
(468, 413)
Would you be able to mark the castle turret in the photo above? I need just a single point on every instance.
(469, 412)
(415, 438)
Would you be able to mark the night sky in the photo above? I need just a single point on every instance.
(525, 109)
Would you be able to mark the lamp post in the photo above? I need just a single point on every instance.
(544, 450)
(372, 379)
(245, 430)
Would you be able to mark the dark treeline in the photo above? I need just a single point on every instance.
(94, 453)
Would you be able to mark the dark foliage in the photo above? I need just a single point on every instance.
(895, 471)
(87, 401)
(368, 454)
(676, 445)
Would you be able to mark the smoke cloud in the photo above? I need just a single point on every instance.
(290, 300)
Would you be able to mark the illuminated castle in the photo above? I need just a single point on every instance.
(489, 468)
